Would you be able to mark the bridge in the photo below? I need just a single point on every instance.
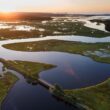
(46, 84)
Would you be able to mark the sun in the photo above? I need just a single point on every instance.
(6, 13)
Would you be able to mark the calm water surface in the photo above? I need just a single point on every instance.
(72, 71)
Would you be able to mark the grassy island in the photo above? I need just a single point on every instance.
(30, 70)
(63, 46)
(95, 97)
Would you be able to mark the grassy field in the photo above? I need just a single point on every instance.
(6, 83)
(49, 29)
(62, 46)
(95, 97)
(30, 70)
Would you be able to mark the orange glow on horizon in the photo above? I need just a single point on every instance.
(69, 6)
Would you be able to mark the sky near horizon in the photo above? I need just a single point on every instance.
(70, 6)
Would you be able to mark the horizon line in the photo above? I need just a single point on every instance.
(55, 12)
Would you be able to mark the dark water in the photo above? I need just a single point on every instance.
(72, 71)
(24, 96)
(77, 71)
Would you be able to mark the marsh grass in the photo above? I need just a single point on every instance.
(62, 46)
(67, 28)
(95, 97)
(6, 83)
(30, 70)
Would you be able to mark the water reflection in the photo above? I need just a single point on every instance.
(64, 38)
(85, 20)
(1, 69)
(23, 28)
(5, 26)
(73, 71)
(24, 96)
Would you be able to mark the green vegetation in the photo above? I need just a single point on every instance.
(50, 28)
(60, 94)
(62, 46)
(95, 97)
(13, 34)
(58, 91)
(6, 82)
(30, 70)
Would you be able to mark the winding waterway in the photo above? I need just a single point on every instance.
(72, 71)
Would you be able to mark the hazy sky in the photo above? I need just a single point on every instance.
(73, 6)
